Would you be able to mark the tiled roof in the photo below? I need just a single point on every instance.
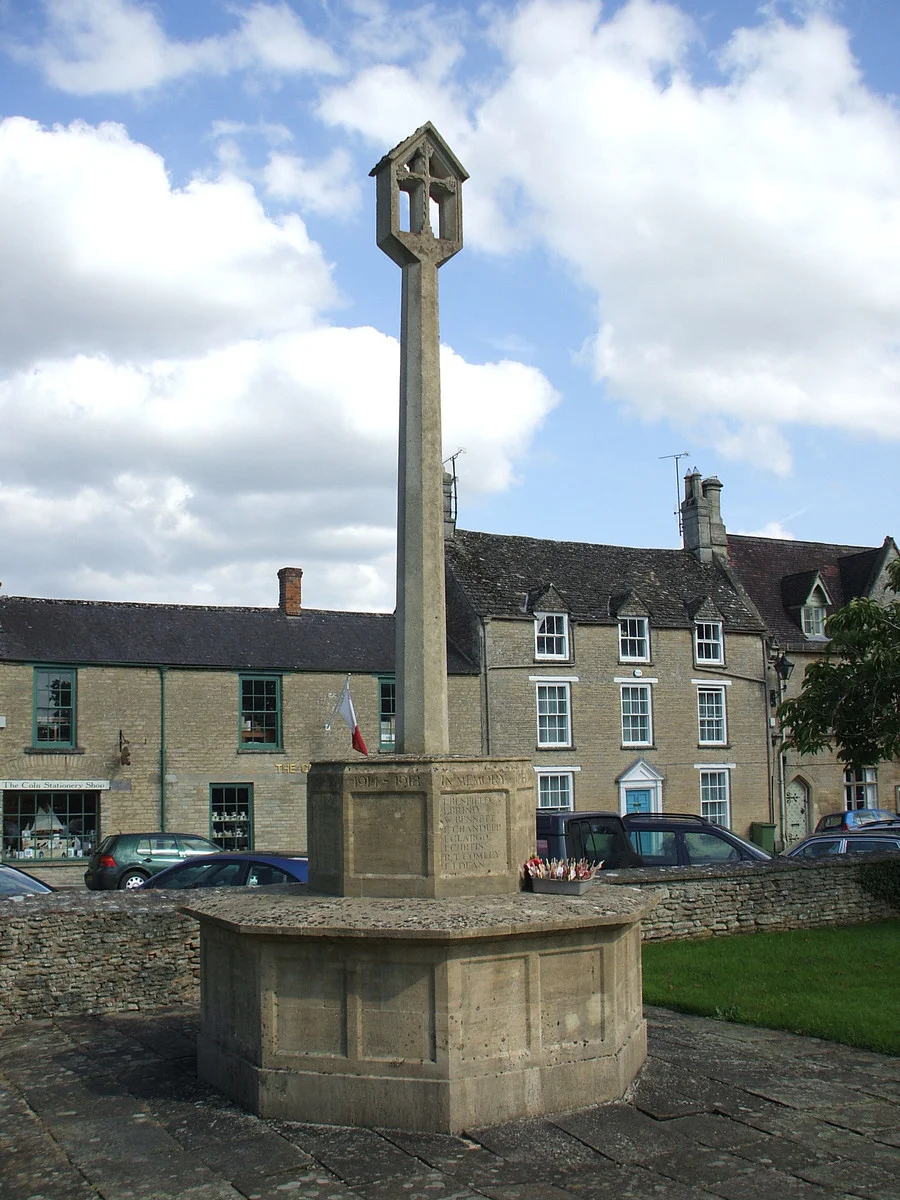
(256, 639)
(498, 572)
(775, 571)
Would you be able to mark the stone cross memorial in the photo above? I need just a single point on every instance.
(414, 984)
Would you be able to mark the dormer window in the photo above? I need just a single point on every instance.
(551, 635)
(634, 639)
(814, 620)
(708, 643)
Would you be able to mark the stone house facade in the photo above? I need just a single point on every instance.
(144, 717)
(633, 679)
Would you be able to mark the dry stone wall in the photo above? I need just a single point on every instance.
(86, 952)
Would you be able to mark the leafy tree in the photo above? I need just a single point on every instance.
(851, 698)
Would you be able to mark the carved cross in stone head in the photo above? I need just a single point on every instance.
(426, 169)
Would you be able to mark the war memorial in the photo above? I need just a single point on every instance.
(414, 984)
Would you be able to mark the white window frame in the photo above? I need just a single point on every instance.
(813, 618)
(548, 773)
(707, 804)
(635, 686)
(864, 780)
(541, 620)
(563, 692)
(720, 690)
(626, 635)
(706, 641)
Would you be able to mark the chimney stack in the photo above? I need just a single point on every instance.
(701, 517)
(289, 580)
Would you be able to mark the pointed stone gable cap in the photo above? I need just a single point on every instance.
(544, 598)
(703, 609)
(404, 150)
(628, 604)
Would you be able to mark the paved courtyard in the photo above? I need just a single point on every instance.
(111, 1107)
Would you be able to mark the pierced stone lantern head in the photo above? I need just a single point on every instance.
(425, 168)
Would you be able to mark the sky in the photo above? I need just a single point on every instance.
(682, 237)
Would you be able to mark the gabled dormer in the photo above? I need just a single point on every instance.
(808, 601)
(633, 616)
(552, 637)
(709, 632)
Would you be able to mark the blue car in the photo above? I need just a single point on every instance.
(244, 868)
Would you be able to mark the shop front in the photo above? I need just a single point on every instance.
(50, 820)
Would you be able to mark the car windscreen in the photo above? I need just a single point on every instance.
(191, 843)
(16, 883)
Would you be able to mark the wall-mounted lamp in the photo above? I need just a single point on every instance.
(784, 668)
(124, 750)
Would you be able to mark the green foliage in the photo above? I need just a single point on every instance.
(882, 880)
(851, 699)
(838, 982)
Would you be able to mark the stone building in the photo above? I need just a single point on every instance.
(795, 586)
(140, 717)
(633, 679)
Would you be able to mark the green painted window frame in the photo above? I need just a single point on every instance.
(387, 713)
(41, 703)
(228, 826)
(264, 690)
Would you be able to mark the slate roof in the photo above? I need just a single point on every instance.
(498, 572)
(257, 639)
(775, 572)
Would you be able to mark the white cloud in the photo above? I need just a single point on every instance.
(329, 187)
(92, 47)
(742, 236)
(773, 529)
(173, 403)
(100, 254)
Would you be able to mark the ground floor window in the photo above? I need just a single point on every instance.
(555, 790)
(231, 815)
(714, 797)
(50, 825)
(860, 788)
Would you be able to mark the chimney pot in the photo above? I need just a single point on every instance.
(289, 590)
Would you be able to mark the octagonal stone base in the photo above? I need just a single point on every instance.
(421, 1015)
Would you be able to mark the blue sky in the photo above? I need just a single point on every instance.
(682, 233)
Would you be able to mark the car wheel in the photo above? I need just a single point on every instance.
(131, 880)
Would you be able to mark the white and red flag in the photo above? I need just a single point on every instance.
(348, 712)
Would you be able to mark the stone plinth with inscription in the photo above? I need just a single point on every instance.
(420, 827)
(435, 1015)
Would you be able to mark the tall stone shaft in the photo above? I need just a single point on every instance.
(421, 655)
(425, 170)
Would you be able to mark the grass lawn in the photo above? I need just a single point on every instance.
(839, 983)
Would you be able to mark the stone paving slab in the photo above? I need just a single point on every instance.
(110, 1108)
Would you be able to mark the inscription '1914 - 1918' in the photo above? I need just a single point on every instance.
(473, 833)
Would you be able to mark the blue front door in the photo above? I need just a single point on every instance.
(637, 800)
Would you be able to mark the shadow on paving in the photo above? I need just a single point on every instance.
(111, 1107)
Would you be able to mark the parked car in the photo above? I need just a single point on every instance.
(642, 839)
(855, 818)
(126, 860)
(876, 839)
(14, 882)
(241, 868)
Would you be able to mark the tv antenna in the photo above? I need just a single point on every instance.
(677, 458)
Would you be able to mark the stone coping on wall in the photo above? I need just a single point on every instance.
(639, 876)
(292, 909)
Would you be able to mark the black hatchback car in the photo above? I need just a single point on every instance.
(125, 860)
